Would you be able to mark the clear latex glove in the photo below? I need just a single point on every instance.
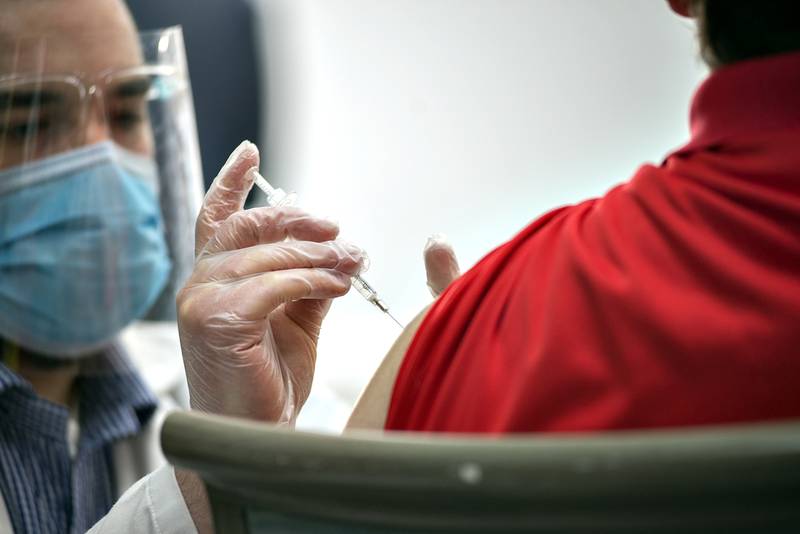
(441, 264)
(249, 317)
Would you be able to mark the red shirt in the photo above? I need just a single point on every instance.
(673, 300)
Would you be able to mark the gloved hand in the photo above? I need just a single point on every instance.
(441, 264)
(249, 316)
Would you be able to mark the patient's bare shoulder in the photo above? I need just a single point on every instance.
(373, 405)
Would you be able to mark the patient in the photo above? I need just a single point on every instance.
(673, 300)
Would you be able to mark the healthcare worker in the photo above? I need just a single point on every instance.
(99, 190)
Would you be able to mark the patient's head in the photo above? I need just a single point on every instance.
(737, 30)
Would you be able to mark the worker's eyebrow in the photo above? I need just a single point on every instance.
(133, 88)
(27, 99)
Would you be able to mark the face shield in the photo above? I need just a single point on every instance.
(100, 185)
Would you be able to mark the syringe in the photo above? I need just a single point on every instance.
(278, 197)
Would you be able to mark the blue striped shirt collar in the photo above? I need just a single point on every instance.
(115, 403)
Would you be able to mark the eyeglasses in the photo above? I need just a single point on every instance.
(44, 115)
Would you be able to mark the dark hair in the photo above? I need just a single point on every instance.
(735, 30)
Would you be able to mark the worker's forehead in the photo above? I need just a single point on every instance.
(66, 36)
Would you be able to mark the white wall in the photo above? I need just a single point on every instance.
(401, 118)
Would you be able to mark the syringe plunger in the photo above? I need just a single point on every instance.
(275, 195)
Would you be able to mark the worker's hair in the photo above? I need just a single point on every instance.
(736, 30)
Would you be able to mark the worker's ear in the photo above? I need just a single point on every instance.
(681, 7)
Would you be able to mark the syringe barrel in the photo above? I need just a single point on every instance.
(366, 291)
(278, 197)
(363, 287)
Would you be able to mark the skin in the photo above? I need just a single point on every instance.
(373, 404)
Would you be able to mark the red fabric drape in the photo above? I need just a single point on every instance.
(673, 300)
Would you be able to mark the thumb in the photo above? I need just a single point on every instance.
(308, 314)
(441, 264)
(227, 194)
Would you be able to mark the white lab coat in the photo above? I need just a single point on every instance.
(151, 502)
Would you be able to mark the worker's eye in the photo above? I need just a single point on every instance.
(26, 131)
(19, 132)
(127, 120)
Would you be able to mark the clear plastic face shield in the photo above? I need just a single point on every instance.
(100, 184)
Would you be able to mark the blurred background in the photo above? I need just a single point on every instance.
(401, 118)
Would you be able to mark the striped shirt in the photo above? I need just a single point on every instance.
(46, 490)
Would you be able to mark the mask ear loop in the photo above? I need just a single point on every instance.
(11, 356)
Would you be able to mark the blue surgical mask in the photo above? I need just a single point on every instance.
(82, 249)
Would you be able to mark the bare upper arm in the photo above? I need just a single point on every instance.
(373, 405)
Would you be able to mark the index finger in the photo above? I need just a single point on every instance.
(258, 226)
(227, 194)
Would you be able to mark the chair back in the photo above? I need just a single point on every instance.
(266, 479)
